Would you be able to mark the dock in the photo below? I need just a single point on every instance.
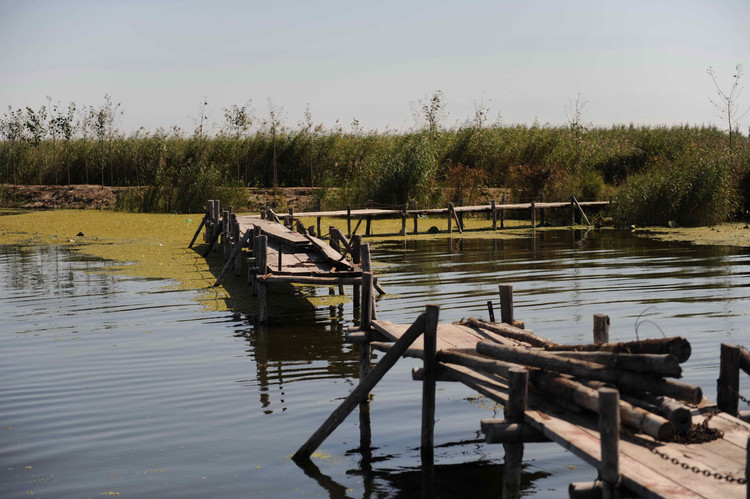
(277, 254)
(617, 406)
(454, 214)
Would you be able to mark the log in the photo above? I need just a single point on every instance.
(360, 392)
(511, 332)
(195, 236)
(677, 346)
(587, 397)
(650, 363)
(235, 253)
(588, 370)
(510, 433)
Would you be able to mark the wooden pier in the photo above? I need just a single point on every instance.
(617, 406)
(276, 253)
(454, 215)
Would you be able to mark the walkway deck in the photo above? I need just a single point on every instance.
(641, 469)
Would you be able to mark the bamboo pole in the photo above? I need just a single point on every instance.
(361, 391)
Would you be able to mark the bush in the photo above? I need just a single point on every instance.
(697, 191)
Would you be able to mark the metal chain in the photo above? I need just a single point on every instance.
(695, 469)
(739, 395)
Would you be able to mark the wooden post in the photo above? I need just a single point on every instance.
(747, 468)
(416, 218)
(517, 395)
(403, 219)
(261, 256)
(367, 267)
(506, 303)
(450, 218)
(365, 311)
(491, 310)
(223, 240)
(572, 211)
(209, 220)
(541, 212)
(460, 217)
(369, 218)
(502, 214)
(365, 433)
(217, 212)
(333, 239)
(349, 222)
(494, 215)
(356, 259)
(533, 214)
(609, 434)
(601, 328)
(427, 451)
(728, 384)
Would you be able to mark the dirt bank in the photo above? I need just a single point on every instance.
(97, 197)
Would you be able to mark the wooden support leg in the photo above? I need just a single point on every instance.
(506, 303)
(601, 328)
(728, 384)
(450, 218)
(491, 310)
(432, 313)
(518, 390)
(609, 431)
(494, 216)
(365, 432)
(533, 215)
(357, 259)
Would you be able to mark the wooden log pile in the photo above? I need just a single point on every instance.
(645, 372)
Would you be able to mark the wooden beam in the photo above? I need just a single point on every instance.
(360, 392)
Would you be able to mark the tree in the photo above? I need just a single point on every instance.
(275, 125)
(61, 126)
(430, 112)
(727, 106)
(12, 128)
(238, 120)
(104, 121)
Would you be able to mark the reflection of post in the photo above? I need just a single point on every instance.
(260, 352)
(356, 259)
(365, 432)
(519, 380)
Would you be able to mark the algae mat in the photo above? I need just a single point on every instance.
(137, 244)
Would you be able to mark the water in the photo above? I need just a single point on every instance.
(112, 384)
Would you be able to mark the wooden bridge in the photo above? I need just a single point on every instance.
(660, 438)
(275, 253)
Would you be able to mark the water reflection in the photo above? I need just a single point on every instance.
(150, 366)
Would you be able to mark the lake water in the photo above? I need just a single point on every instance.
(116, 385)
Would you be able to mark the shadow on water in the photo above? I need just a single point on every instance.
(478, 479)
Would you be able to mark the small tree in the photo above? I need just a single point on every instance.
(727, 106)
(61, 126)
(429, 112)
(275, 125)
(238, 121)
(12, 127)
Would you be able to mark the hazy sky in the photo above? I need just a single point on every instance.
(631, 61)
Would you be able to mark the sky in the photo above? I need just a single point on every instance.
(641, 62)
